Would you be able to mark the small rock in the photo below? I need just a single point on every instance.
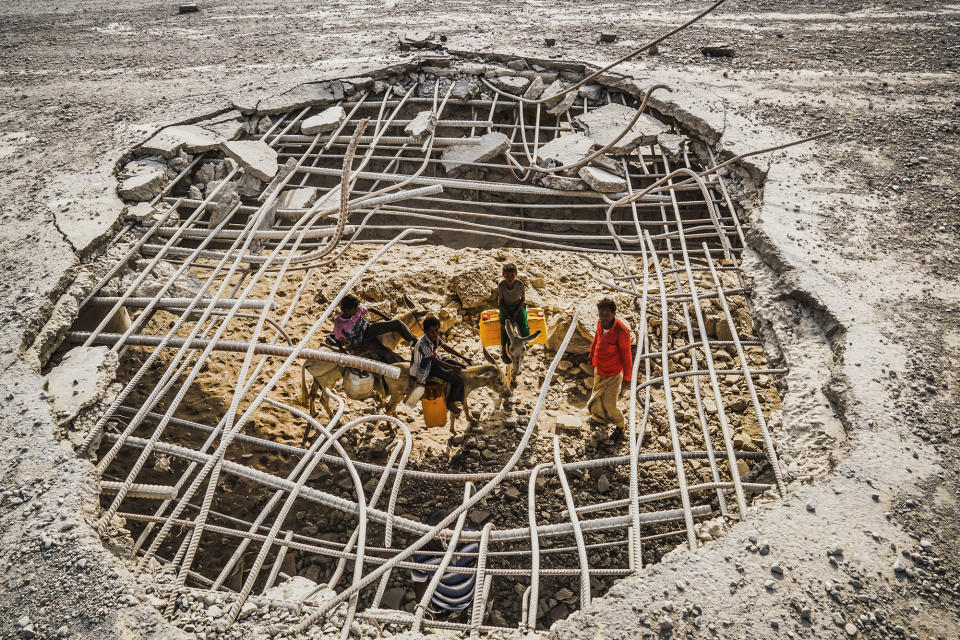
(603, 485)
(568, 421)
(188, 8)
(665, 624)
(811, 506)
(851, 629)
(608, 38)
(514, 85)
(776, 569)
(22, 622)
(768, 585)
(926, 543)
(422, 125)
(326, 120)
(718, 50)
(602, 180)
(550, 42)
(806, 614)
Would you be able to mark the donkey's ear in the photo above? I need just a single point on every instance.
(532, 336)
(489, 358)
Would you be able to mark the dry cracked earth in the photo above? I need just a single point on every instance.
(859, 265)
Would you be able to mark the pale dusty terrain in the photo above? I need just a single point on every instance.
(855, 267)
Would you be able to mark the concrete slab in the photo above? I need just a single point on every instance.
(326, 120)
(458, 157)
(568, 149)
(422, 125)
(514, 85)
(605, 124)
(254, 156)
(169, 141)
(310, 94)
(602, 180)
(79, 381)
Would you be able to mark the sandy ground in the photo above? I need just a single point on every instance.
(856, 254)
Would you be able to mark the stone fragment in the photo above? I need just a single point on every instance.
(299, 198)
(551, 93)
(590, 91)
(249, 186)
(264, 125)
(554, 181)
(608, 38)
(140, 212)
(603, 484)
(564, 150)
(422, 125)
(296, 588)
(420, 40)
(464, 89)
(851, 629)
(606, 162)
(478, 517)
(327, 120)
(550, 42)
(169, 141)
(459, 157)
(222, 202)
(188, 8)
(535, 89)
(564, 105)
(568, 421)
(582, 337)
(255, 156)
(79, 381)
(144, 180)
(393, 598)
(514, 85)
(671, 144)
(474, 286)
(607, 123)
(602, 180)
(717, 50)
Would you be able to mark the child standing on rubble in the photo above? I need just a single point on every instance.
(512, 303)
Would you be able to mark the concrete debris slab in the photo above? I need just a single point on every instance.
(535, 90)
(326, 120)
(464, 90)
(566, 150)
(145, 180)
(210, 171)
(717, 50)
(169, 141)
(564, 105)
(671, 144)
(590, 91)
(554, 181)
(612, 165)
(602, 180)
(310, 94)
(249, 186)
(568, 421)
(514, 85)
(606, 124)
(556, 87)
(140, 212)
(422, 125)
(458, 157)
(300, 198)
(79, 381)
(255, 156)
(297, 588)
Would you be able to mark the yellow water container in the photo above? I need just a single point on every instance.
(490, 328)
(537, 319)
(434, 406)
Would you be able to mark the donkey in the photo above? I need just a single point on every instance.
(516, 349)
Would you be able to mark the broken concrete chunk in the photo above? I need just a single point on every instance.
(717, 50)
(566, 150)
(300, 198)
(263, 126)
(568, 421)
(79, 381)
(607, 123)
(511, 84)
(210, 171)
(464, 89)
(167, 142)
(422, 125)
(255, 156)
(671, 144)
(297, 588)
(249, 186)
(613, 166)
(535, 90)
(564, 105)
(458, 157)
(474, 286)
(140, 212)
(420, 40)
(554, 181)
(222, 203)
(556, 87)
(285, 170)
(590, 91)
(145, 180)
(326, 120)
(602, 180)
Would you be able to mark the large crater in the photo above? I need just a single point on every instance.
(219, 298)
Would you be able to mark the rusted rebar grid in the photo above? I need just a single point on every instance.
(666, 237)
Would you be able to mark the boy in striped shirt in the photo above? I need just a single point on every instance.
(454, 592)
